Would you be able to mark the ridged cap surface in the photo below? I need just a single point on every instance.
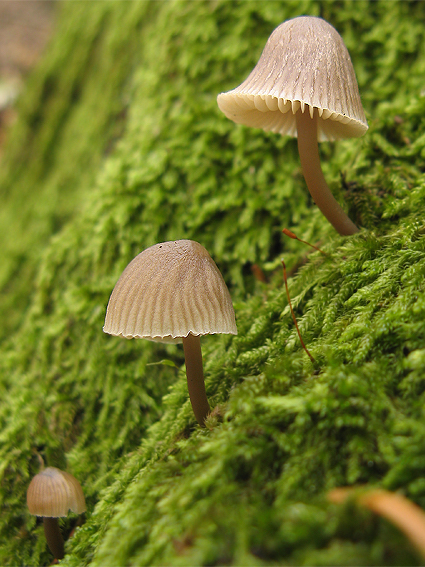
(168, 291)
(305, 64)
(52, 493)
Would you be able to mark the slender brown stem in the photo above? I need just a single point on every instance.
(195, 377)
(289, 233)
(285, 279)
(310, 162)
(396, 508)
(54, 537)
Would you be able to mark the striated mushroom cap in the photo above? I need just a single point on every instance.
(168, 291)
(52, 493)
(304, 65)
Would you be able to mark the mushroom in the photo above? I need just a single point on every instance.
(51, 494)
(303, 85)
(173, 292)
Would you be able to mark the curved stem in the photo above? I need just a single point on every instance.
(195, 377)
(396, 508)
(310, 162)
(54, 537)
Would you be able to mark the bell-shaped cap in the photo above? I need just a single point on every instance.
(304, 65)
(52, 493)
(168, 291)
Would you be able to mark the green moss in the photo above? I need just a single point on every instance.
(71, 115)
(126, 148)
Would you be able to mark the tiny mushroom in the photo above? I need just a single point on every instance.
(173, 292)
(303, 85)
(51, 494)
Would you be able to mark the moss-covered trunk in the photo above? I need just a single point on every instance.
(119, 145)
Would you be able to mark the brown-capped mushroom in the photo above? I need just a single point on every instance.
(51, 494)
(173, 292)
(303, 85)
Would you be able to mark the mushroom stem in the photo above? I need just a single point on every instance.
(54, 537)
(310, 162)
(195, 377)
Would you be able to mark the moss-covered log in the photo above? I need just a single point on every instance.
(120, 144)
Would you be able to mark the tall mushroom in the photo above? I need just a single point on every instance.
(303, 85)
(173, 292)
(51, 494)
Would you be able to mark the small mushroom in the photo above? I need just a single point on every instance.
(51, 494)
(173, 292)
(303, 85)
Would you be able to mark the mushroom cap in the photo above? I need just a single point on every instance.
(305, 63)
(52, 493)
(168, 291)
